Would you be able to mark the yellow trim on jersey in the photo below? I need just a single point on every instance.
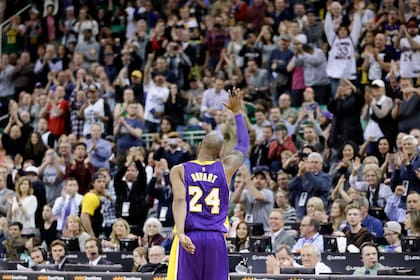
(173, 260)
(226, 224)
(207, 162)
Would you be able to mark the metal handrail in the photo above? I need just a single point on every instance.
(6, 22)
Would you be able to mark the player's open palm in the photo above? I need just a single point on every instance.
(235, 101)
(186, 243)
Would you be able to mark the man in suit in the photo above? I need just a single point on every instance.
(93, 252)
(278, 234)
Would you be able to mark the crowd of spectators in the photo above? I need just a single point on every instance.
(331, 95)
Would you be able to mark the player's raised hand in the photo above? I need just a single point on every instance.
(235, 101)
(186, 243)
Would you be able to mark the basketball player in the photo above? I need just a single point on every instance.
(200, 205)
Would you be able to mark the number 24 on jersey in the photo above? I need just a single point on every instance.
(212, 199)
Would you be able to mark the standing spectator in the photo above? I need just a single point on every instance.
(99, 148)
(310, 181)
(175, 107)
(130, 188)
(128, 131)
(88, 47)
(35, 149)
(93, 111)
(215, 40)
(255, 14)
(47, 62)
(379, 116)
(108, 202)
(257, 80)
(7, 88)
(377, 60)
(85, 22)
(314, 71)
(23, 74)
(157, 94)
(91, 215)
(341, 63)
(346, 107)
(407, 110)
(407, 165)
(48, 229)
(5, 196)
(52, 174)
(39, 192)
(23, 206)
(408, 42)
(56, 110)
(393, 208)
(279, 59)
(258, 199)
(159, 188)
(68, 203)
(282, 142)
(80, 167)
(212, 101)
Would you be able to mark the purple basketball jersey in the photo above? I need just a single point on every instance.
(207, 195)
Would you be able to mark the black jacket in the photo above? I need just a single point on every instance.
(136, 197)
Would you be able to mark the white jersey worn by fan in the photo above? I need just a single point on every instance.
(341, 58)
(410, 59)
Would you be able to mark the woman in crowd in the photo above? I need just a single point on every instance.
(238, 216)
(175, 107)
(120, 230)
(23, 206)
(75, 229)
(343, 166)
(412, 223)
(52, 173)
(376, 192)
(338, 215)
(152, 233)
(49, 226)
(35, 148)
(314, 204)
(242, 237)
(282, 202)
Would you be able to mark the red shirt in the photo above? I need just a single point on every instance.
(57, 124)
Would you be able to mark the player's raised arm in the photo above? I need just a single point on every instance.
(235, 159)
(179, 206)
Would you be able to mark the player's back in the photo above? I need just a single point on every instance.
(207, 196)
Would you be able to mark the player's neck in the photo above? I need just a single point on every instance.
(203, 157)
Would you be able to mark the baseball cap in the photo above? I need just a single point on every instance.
(280, 126)
(378, 83)
(32, 169)
(285, 38)
(137, 74)
(392, 226)
(260, 169)
(301, 38)
(97, 176)
(327, 114)
(38, 85)
(92, 88)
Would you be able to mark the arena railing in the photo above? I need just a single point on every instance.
(191, 137)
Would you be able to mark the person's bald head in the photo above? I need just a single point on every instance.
(212, 144)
